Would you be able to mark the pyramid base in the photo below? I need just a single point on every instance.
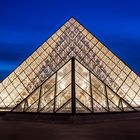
(69, 118)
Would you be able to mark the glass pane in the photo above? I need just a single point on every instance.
(3, 94)
(126, 107)
(20, 107)
(63, 83)
(83, 83)
(113, 100)
(6, 82)
(46, 99)
(1, 87)
(80, 108)
(66, 108)
(63, 71)
(33, 107)
(98, 107)
(48, 84)
(82, 70)
(100, 100)
(84, 98)
(97, 84)
(30, 101)
(137, 101)
(62, 98)
(49, 108)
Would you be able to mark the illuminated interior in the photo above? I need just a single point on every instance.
(42, 83)
(55, 95)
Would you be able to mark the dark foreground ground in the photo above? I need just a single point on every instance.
(128, 129)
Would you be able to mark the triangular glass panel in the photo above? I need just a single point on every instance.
(62, 98)
(114, 101)
(84, 98)
(33, 107)
(20, 107)
(48, 108)
(51, 95)
(80, 108)
(126, 107)
(2, 105)
(101, 98)
(32, 100)
(66, 108)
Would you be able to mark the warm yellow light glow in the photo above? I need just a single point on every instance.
(62, 85)
(83, 85)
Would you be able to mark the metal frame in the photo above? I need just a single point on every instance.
(73, 85)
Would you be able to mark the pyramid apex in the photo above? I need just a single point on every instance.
(72, 20)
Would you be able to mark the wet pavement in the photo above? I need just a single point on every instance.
(114, 130)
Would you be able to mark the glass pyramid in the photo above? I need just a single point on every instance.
(72, 72)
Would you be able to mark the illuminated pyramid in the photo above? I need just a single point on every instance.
(72, 72)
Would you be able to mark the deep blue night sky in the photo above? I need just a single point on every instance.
(26, 24)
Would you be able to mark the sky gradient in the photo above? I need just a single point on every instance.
(26, 24)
